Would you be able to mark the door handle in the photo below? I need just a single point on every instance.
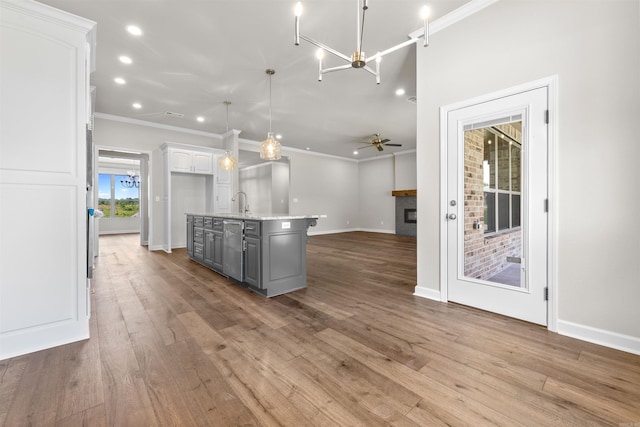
(452, 216)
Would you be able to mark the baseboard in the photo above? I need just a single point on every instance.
(156, 247)
(105, 232)
(349, 230)
(377, 230)
(320, 232)
(427, 293)
(600, 336)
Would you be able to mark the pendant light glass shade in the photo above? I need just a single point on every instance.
(270, 147)
(228, 162)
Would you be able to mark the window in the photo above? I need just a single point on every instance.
(114, 199)
(501, 177)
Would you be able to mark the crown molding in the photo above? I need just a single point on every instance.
(156, 125)
(453, 17)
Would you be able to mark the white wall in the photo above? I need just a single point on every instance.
(377, 205)
(594, 48)
(256, 182)
(405, 170)
(324, 185)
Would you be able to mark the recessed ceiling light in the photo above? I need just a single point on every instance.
(355, 153)
(136, 105)
(278, 136)
(200, 119)
(308, 148)
(400, 92)
(119, 80)
(136, 31)
(125, 59)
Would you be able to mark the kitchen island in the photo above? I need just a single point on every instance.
(264, 253)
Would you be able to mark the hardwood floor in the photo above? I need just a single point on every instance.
(175, 344)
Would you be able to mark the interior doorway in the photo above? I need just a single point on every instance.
(495, 248)
(123, 192)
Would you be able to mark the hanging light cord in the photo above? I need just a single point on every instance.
(364, 9)
(270, 102)
(227, 104)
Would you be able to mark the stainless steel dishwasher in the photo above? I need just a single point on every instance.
(232, 256)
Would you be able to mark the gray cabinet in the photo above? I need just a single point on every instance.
(252, 254)
(190, 235)
(198, 238)
(218, 250)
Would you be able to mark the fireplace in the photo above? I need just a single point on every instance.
(406, 212)
(410, 215)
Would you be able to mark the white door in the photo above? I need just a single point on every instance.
(496, 213)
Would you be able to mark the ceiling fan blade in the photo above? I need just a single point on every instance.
(384, 141)
(366, 146)
(379, 147)
(393, 145)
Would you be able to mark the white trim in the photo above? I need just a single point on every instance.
(453, 17)
(622, 342)
(107, 232)
(551, 84)
(431, 294)
(156, 125)
(349, 230)
(404, 153)
(377, 230)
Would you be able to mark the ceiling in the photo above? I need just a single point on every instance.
(195, 54)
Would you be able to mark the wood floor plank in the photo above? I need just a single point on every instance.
(173, 343)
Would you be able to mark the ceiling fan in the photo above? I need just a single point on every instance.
(379, 143)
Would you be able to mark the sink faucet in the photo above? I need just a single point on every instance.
(246, 204)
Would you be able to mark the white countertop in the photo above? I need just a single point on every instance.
(255, 216)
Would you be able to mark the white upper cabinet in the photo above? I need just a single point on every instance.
(188, 161)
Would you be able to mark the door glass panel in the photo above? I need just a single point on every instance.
(492, 204)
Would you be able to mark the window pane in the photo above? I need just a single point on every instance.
(515, 168)
(503, 211)
(489, 163)
(104, 194)
(127, 198)
(489, 212)
(515, 210)
(503, 164)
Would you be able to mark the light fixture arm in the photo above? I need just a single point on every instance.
(358, 59)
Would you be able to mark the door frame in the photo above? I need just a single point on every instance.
(551, 84)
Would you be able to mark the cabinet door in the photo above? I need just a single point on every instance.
(223, 198)
(224, 176)
(209, 248)
(190, 235)
(202, 163)
(252, 262)
(180, 160)
(217, 250)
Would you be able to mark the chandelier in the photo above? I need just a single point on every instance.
(228, 161)
(270, 147)
(131, 181)
(358, 58)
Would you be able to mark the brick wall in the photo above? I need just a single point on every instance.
(484, 255)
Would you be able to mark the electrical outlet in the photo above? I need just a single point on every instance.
(347, 222)
(381, 222)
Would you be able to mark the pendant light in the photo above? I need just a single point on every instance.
(228, 162)
(270, 147)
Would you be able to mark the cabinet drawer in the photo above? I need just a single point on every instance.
(252, 228)
(218, 224)
(198, 250)
(198, 221)
(208, 223)
(198, 235)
